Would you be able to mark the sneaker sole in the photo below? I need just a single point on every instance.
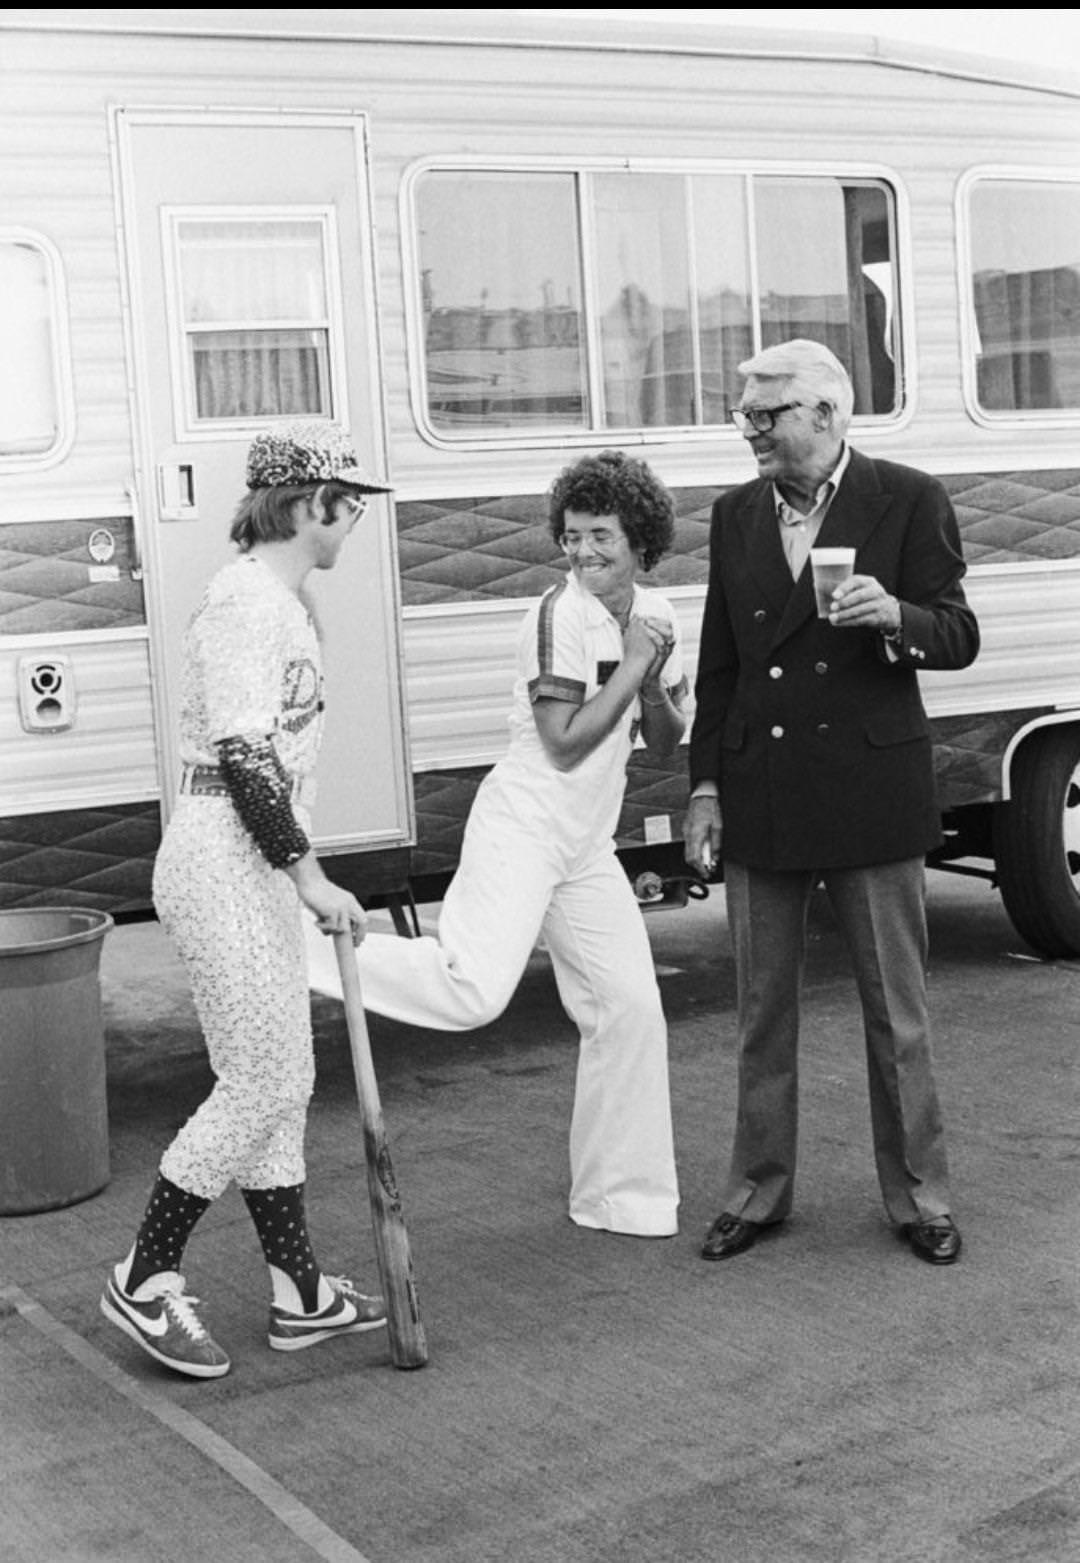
(301, 1342)
(191, 1369)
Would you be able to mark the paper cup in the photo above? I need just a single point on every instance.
(830, 567)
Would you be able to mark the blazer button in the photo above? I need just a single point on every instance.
(776, 732)
(821, 667)
(759, 616)
(823, 729)
(776, 672)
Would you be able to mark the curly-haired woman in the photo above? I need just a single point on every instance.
(598, 664)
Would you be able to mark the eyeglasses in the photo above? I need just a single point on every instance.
(602, 542)
(761, 419)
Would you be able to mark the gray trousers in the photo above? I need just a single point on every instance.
(882, 915)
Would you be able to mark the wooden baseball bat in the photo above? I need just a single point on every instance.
(408, 1346)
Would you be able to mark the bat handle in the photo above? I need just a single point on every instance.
(356, 1021)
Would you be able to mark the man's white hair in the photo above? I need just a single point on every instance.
(813, 372)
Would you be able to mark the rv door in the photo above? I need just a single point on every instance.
(248, 259)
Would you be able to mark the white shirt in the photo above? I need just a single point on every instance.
(798, 532)
(568, 647)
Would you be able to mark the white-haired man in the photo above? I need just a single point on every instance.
(810, 763)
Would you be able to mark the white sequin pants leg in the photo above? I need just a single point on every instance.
(236, 923)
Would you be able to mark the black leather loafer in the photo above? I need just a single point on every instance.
(937, 1241)
(729, 1236)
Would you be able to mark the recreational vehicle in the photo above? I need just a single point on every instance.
(486, 244)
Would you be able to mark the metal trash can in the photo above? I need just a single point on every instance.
(54, 1126)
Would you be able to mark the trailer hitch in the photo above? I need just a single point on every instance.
(656, 894)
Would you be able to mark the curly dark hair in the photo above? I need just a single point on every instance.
(615, 484)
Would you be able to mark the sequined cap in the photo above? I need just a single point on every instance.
(299, 453)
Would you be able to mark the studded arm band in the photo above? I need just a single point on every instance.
(261, 793)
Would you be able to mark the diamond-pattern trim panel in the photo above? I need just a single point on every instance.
(1011, 516)
(443, 800)
(45, 578)
(459, 550)
(968, 751)
(967, 764)
(101, 858)
(462, 549)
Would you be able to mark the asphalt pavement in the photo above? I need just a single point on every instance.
(824, 1398)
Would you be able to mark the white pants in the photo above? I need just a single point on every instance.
(510, 891)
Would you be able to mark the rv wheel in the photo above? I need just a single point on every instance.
(1037, 842)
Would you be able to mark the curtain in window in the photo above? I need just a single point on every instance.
(259, 374)
(869, 360)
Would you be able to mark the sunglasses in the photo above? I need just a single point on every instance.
(357, 505)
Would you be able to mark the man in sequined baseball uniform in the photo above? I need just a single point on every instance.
(233, 869)
(598, 663)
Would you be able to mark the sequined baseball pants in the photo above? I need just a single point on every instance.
(236, 923)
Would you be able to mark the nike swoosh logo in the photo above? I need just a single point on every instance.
(156, 1326)
(343, 1316)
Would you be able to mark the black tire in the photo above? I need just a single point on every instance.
(1037, 842)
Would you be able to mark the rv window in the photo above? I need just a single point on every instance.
(501, 301)
(725, 306)
(626, 299)
(253, 296)
(836, 285)
(31, 407)
(1025, 280)
(643, 300)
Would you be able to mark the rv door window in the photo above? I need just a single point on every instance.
(255, 319)
(33, 406)
(600, 299)
(1025, 292)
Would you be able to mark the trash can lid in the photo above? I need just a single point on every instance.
(49, 928)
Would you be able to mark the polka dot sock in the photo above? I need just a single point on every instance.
(171, 1214)
(281, 1223)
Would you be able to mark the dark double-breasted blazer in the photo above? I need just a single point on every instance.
(819, 743)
